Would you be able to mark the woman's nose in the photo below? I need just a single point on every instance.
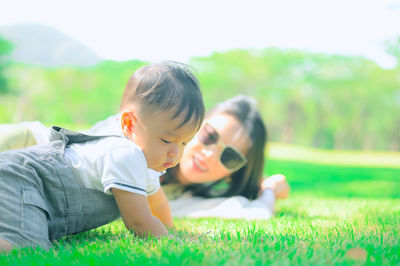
(209, 151)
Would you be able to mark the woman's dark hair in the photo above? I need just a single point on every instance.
(245, 181)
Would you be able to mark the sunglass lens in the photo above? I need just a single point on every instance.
(230, 158)
(207, 135)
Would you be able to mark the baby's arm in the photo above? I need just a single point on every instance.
(160, 207)
(136, 214)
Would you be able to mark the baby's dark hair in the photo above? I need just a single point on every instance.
(163, 86)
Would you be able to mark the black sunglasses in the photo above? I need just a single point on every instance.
(230, 157)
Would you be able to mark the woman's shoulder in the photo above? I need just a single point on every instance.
(173, 191)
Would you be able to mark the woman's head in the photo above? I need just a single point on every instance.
(237, 125)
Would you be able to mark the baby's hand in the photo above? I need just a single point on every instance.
(278, 184)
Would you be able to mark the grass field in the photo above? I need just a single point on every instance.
(344, 208)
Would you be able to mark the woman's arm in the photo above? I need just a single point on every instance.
(239, 207)
(278, 184)
(136, 214)
(15, 136)
(160, 207)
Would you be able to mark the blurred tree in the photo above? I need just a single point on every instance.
(320, 100)
(393, 48)
(326, 101)
(5, 49)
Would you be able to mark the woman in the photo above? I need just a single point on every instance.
(221, 168)
(224, 163)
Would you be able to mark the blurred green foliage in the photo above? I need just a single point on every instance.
(393, 48)
(5, 49)
(65, 95)
(325, 101)
(309, 99)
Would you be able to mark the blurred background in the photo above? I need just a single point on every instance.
(326, 74)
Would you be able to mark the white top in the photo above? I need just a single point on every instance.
(39, 131)
(112, 162)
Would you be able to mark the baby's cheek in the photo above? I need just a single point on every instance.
(153, 157)
(162, 153)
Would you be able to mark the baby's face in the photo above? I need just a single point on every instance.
(160, 139)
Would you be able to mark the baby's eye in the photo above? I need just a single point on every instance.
(184, 143)
(166, 141)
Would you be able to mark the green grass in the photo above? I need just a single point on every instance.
(337, 213)
(285, 152)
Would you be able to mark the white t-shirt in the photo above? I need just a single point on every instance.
(112, 162)
(109, 126)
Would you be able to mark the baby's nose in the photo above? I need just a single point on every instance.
(173, 152)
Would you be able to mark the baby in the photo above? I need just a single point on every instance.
(49, 191)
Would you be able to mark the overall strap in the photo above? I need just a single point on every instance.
(66, 137)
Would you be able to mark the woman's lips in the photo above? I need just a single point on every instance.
(199, 165)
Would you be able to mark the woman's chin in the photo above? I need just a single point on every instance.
(190, 175)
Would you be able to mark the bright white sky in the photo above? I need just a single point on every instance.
(176, 30)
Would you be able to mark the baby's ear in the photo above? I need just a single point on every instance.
(128, 120)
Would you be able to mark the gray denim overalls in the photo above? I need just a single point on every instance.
(42, 200)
